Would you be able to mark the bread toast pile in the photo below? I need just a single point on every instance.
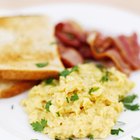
(28, 53)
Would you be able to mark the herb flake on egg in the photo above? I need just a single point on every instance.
(67, 99)
(48, 104)
(58, 114)
(70, 139)
(93, 90)
(39, 126)
(91, 137)
(66, 72)
(74, 97)
(105, 77)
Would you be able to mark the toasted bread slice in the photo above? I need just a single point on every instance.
(12, 88)
(27, 48)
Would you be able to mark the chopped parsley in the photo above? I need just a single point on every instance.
(41, 65)
(100, 66)
(91, 137)
(105, 77)
(39, 126)
(135, 138)
(75, 68)
(48, 104)
(128, 103)
(116, 131)
(49, 81)
(58, 114)
(129, 99)
(70, 139)
(66, 72)
(74, 97)
(93, 90)
(134, 107)
(67, 99)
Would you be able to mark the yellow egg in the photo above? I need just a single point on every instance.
(82, 103)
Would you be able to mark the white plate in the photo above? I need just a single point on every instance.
(14, 123)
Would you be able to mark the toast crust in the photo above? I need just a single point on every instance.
(17, 88)
(27, 75)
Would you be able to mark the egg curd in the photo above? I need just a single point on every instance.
(83, 102)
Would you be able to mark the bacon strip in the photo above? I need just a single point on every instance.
(114, 56)
(70, 57)
(130, 51)
(122, 51)
(71, 35)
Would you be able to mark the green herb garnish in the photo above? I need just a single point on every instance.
(67, 99)
(135, 138)
(39, 126)
(58, 114)
(116, 131)
(134, 107)
(100, 66)
(49, 81)
(66, 72)
(128, 103)
(70, 139)
(74, 97)
(105, 77)
(93, 90)
(91, 137)
(48, 104)
(41, 65)
(75, 68)
(129, 99)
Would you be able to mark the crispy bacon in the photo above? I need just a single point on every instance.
(71, 35)
(122, 51)
(130, 51)
(111, 54)
(70, 57)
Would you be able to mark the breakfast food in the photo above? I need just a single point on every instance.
(93, 45)
(27, 51)
(10, 88)
(84, 101)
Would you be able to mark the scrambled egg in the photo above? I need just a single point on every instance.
(82, 103)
